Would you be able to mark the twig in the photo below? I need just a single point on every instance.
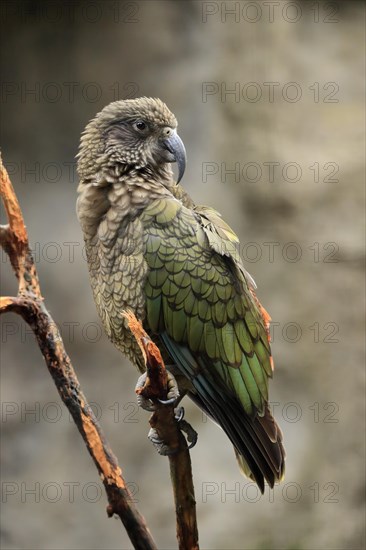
(29, 304)
(166, 425)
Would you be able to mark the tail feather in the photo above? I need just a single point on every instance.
(260, 453)
(257, 440)
(270, 435)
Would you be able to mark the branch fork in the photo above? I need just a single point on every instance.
(29, 303)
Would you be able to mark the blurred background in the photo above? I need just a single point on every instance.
(270, 102)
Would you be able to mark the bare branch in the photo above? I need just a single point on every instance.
(164, 422)
(29, 304)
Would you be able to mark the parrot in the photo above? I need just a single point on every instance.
(176, 265)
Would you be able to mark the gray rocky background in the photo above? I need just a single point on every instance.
(302, 240)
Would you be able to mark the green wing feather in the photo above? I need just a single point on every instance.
(199, 289)
(201, 302)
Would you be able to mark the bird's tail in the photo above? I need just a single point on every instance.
(269, 453)
(257, 440)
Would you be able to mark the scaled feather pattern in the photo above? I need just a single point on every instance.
(177, 266)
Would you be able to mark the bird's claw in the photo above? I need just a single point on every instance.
(167, 401)
(172, 390)
(148, 404)
(192, 435)
(142, 401)
(162, 448)
(173, 397)
(179, 414)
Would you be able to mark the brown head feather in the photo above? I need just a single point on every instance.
(110, 139)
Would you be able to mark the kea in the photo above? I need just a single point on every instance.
(176, 266)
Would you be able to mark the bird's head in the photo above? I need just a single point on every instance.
(136, 134)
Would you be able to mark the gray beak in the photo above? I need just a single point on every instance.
(176, 148)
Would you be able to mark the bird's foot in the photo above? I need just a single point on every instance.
(172, 391)
(142, 401)
(171, 398)
(163, 448)
(184, 426)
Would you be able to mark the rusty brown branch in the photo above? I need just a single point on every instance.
(29, 304)
(166, 425)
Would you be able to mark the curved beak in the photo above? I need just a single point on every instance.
(176, 148)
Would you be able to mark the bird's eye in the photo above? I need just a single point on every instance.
(140, 126)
